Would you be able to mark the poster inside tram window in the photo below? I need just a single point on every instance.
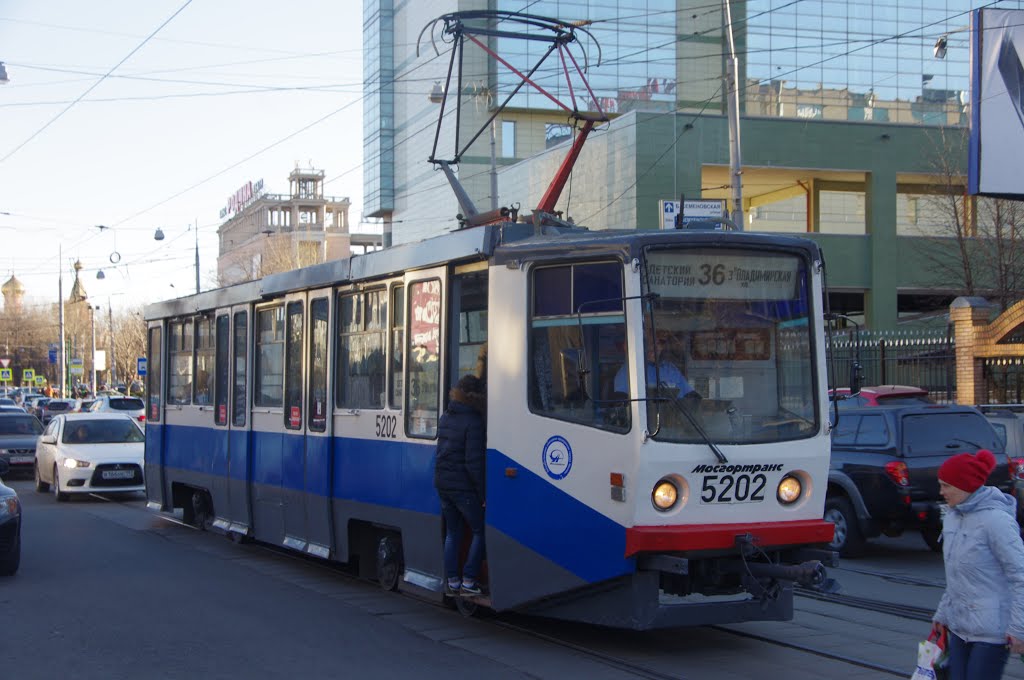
(425, 324)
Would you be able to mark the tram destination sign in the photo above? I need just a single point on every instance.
(715, 274)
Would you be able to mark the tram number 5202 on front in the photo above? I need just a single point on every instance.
(387, 426)
(740, 488)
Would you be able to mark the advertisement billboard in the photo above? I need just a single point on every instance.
(997, 103)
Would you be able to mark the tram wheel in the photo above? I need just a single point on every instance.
(389, 562)
(466, 606)
(199, 512)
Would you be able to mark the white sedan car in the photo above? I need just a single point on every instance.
(90, 453)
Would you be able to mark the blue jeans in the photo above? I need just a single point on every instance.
(456, 507)
(975, 660)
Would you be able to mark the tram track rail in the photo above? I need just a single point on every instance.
(903, 611)
(900, 579)
(842, 658)
(508, 622)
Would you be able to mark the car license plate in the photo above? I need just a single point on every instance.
(22, 459)
(118, 474)
(738, 488)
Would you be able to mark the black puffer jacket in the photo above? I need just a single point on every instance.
(459, 465)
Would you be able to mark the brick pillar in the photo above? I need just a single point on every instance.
(970, 316)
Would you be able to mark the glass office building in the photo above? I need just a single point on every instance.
(856, 60)
(865, 73)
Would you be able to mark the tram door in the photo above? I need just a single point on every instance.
(155, 451)
(318, 472)
(306, 444)
(265, 422)
(221, 449)
(232, 411)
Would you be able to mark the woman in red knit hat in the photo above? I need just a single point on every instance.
(982, 609)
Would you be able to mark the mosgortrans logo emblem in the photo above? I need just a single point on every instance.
(557, 457)
(727, 469)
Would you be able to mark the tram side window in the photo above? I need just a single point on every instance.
(293, 374)
(241, 362)
(204, 361)
(424, 343)
(179, 353)
(318, 343)
(269, 386)
(154, 375)
(397, 346)
(574, 358)
(362, 327)
(220, 416)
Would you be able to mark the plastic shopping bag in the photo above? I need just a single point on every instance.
(931, 658)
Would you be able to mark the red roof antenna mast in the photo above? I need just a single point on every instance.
(459, 27)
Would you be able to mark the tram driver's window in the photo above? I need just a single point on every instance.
(578, 344)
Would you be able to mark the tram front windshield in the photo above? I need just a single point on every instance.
(728, 346)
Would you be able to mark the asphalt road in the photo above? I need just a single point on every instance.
(112, 590)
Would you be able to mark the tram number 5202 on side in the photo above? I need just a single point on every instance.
(386, 426)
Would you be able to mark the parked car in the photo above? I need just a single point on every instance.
(18, 434)
(883, 395)
(90, 453)
(58, 406)
(1009, 426)
(7, 401)
(4, 408)
(883, 476)
(132, 406)
(10, 526)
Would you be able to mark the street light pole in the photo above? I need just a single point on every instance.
(733, 109)
(62, 366)
(92, 323)
(197, 256)
(110, 330)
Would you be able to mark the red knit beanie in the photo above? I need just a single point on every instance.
(967, 472)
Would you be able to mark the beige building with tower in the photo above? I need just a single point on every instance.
(268, 233)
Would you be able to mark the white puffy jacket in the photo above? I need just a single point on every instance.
(984, 555)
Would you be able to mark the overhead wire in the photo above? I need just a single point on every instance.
(96, 84)
(403, 78)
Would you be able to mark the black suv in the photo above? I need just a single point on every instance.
(883, 477)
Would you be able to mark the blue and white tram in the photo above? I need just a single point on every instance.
(301, 410)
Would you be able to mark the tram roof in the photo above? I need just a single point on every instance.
(504, 242)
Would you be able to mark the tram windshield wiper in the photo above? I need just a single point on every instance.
(696, 426)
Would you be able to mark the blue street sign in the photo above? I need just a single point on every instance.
(141, 365)
(53, 356)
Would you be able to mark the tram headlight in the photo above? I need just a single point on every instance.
(789, 491)
(665, 495)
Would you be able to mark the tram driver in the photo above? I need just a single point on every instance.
(660, 370)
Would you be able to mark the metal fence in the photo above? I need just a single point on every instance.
(921, 358)
(1003, 380)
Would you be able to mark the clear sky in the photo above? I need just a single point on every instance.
(211, 94)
